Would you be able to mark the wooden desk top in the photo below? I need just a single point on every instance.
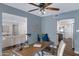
(30, 51)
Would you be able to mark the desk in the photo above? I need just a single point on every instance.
(30, 51)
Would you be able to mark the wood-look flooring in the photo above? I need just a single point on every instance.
(68, 50)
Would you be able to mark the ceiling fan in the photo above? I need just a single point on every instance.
(42, 7)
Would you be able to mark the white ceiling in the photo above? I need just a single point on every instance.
(64, 7)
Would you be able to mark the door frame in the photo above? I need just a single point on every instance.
(73, 41)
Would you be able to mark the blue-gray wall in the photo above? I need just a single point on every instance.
(33, 25)
(0, 32)
(49, 26)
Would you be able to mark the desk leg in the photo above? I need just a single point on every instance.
(42, 53)
(38, 54)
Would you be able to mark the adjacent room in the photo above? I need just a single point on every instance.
(39, 29)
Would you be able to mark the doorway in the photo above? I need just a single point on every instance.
(66, 26)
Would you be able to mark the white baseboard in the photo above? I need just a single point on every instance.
(77, 52)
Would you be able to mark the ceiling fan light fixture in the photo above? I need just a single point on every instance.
(42, 12)
(43, 7)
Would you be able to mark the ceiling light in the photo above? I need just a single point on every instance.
(42, 12)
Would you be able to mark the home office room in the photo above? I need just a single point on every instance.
(39, 29)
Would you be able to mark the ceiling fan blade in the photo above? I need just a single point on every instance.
(44, 5)
(33, 10)
(34, 4)
(47, 4)
(51, 8)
